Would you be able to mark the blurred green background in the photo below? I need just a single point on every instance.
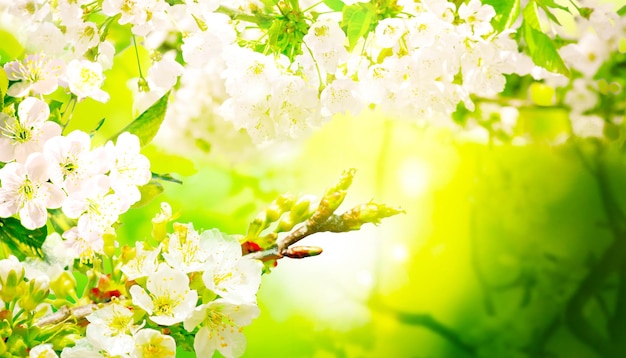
(493, 257)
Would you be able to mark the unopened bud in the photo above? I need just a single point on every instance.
(64, 285)
(110, 243)
(36, 292)
(257, 225)
(300, 252)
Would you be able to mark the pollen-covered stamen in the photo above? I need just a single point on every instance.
(16, 132)
(164, 304)
(27, 190)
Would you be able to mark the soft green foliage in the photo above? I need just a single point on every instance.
(540, 47)
(507, 12)
(21, 241)
(148, 123)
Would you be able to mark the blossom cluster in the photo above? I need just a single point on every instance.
(195, 282)
(43, 169)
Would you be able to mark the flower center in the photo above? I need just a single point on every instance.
(164, 305)
(27, 190)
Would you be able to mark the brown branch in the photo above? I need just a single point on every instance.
(64, 313)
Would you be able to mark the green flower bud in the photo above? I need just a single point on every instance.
(35, 293)
(64, 285)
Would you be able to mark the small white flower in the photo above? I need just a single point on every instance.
(169, 299)
(229, 274)
(389, 31)
(341, 96)
(72, 162)
(144, 263)
(82, 349)
(26, 134)
(84, 79)
(477, 16)
(42, 351)
(186, 250)
(93, 206)
(25, 191)
(111, 329)
(83, 244)
(221, 323)
(150, 343)
(164, 74)
(37, 74)
(129, 168)
(83, 36)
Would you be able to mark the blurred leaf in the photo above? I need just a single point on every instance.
(356, 20)
(4, 86)
(540, 47)
(166, 177)
(622, 11)
(336, 5)
(168, 163)
(552, 4)
(541, 94)
(148, 123)
(148, 192)
(507, 12)
(10, 48)
(21, 241)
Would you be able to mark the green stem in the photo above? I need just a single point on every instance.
(137, 56)
(238, 15)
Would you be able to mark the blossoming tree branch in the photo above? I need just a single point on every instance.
(255, 72)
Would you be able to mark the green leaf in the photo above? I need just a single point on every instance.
(21, 241)
(357, 24)
(4, 86)
(542, 50)
(147, 124)
(10, 48)
(530, 16)
(507, 12)
(336, 5)
(622, 11)
(148, 192)
(552, 4)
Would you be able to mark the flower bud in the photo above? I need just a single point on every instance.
(35, 293)
(64, 285)
(299, 252)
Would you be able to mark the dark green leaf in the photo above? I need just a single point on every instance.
(147, 124)
(507, 12)
(166, 177)
(336, 5)
(542, 50)
(21, 241)
(148, 192)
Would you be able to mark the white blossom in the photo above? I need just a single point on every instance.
(169, 299)
(150, 343)
(25, 191)
(84, 79)
(228, 274)
(110, 329)
(19, 137)
(37, 74)
(221, 321)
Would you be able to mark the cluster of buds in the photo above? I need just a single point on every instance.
(272, 234)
